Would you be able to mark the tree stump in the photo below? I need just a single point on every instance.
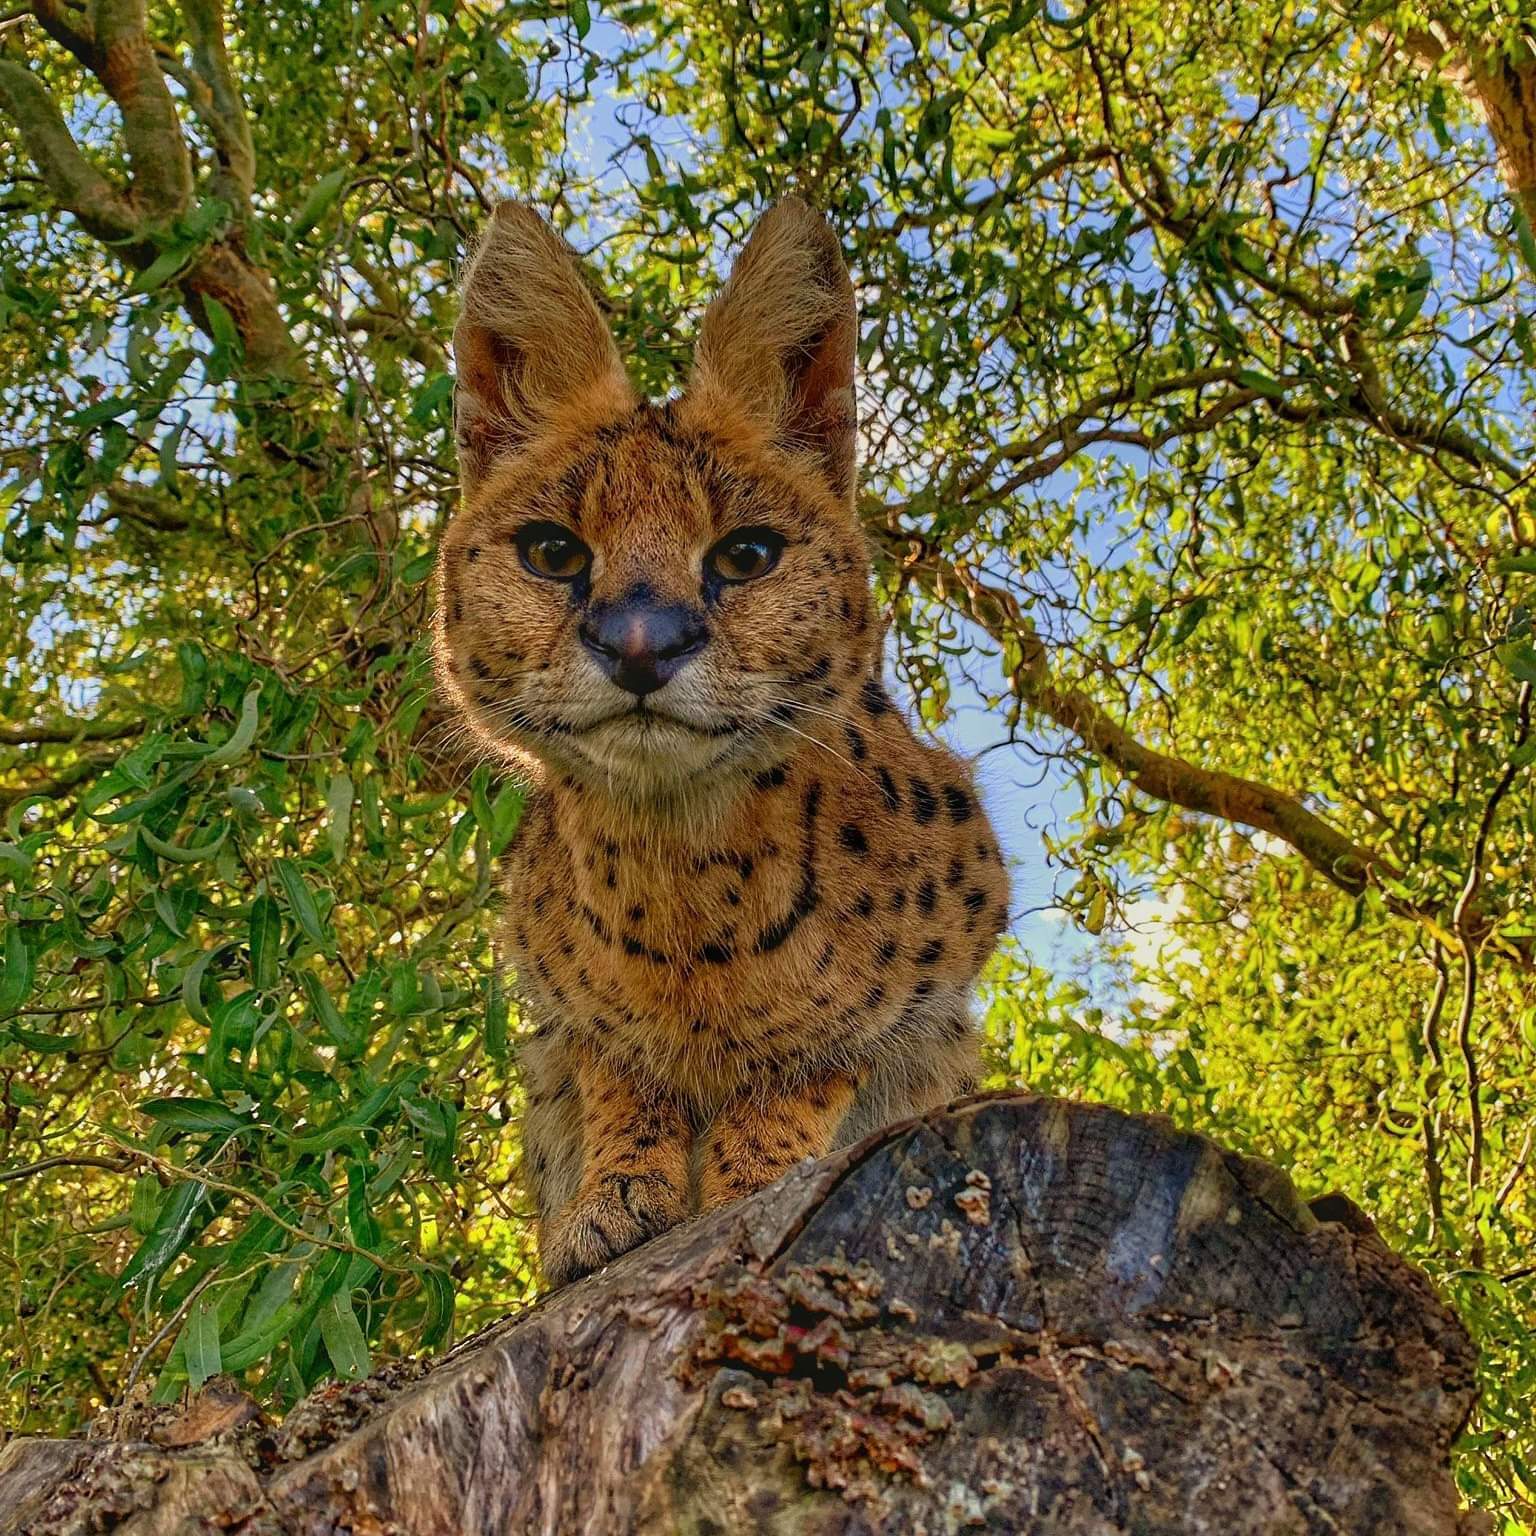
(1017, 1314)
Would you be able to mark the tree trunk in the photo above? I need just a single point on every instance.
(1018, 1314)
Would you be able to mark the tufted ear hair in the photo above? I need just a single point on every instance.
(778, 344)
(531, 352)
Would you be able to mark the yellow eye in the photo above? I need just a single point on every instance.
(551, 551)
(745, 555)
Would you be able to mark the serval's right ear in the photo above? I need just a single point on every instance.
(531, 352)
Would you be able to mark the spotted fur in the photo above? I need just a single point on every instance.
(747, 910)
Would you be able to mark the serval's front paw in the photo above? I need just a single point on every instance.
(621, 1211)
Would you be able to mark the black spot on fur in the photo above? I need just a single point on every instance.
(958, 802)
(888, 789)
(930, 952)
(856, 745)
(874, 997)
(852, 838)
(770, 778)
(808, 896)
(864, 906)
(633, 946)
(717, 954)
(887, 952)
(872, 696)
(956, 871)
(975, 900)
(479, 668)
(472, 553)
(898, 898)
(925, 805)
(927, 894)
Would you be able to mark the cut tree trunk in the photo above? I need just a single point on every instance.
(1017, 1314)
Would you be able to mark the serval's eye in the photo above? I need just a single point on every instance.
(746, 554)
(551, 551)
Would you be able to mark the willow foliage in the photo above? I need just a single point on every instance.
(1198, 388)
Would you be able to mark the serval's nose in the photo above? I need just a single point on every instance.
(643, 645)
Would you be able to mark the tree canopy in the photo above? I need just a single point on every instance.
(1199, 376)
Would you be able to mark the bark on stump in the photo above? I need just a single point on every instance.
(1018, 1314)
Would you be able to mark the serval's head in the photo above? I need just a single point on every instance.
(656, 598)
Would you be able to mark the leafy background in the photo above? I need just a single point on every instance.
(1198, 382)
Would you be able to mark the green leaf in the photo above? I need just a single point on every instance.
(338, 804)
(170, 448)
(194, 1115)
(200, 1341)
(344, 1341)
(257, 1342)
(349, 1042)
(362, 1001)
(180, 854)
(581, 15)
(322, 198)
(496, 1012)
(147, 1195)
(1518, 657)
(439, 1293)
(899, 13)
(239, 741)
(16, 977)
(1252, 378)
(168, 264)
(266, 937)
(301, 901)
(221, 325)
(192, 987)
(167, 1238)
(1525, 240)
(360, 1218)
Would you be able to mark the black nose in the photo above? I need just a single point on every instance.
(642, 646)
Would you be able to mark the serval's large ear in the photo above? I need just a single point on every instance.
(778, 345)
(531, 351)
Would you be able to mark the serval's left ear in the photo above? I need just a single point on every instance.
(778, 345)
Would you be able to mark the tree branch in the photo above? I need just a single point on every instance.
(72, 32)
(1351, 866)
(1500, 81)
(41, 732)
(73, 182)
(157, 151)
(223, 110)
(54, 784)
